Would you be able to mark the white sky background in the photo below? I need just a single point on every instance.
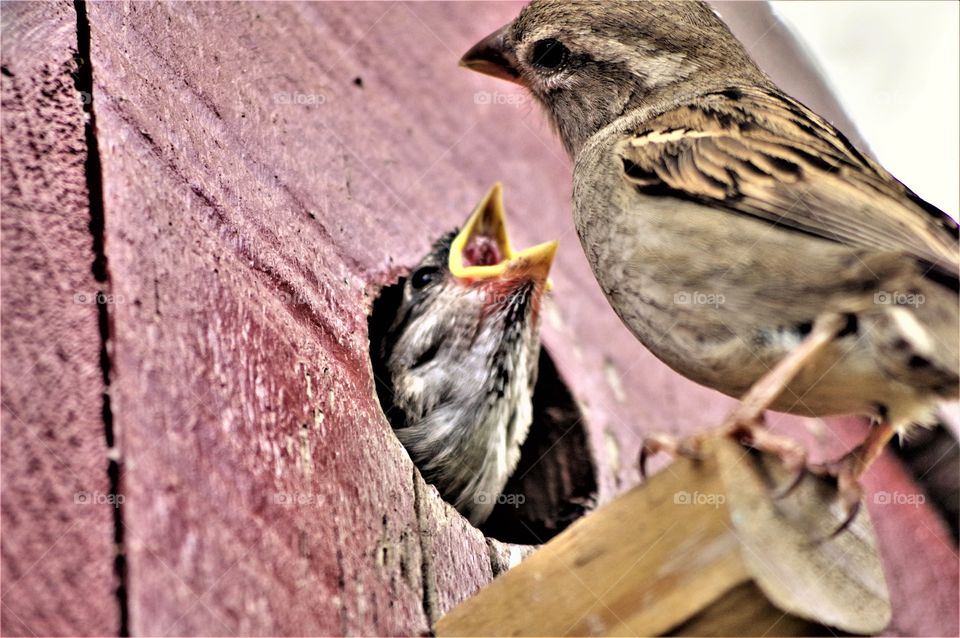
(896, 68)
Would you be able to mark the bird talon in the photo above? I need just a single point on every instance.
(688, 448)
(851, 515)
(845, 474)
(792, 485)
(740, 422)
(654, 444)
(642, 461)
(755, 435)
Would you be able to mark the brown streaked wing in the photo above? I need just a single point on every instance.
(763, 154)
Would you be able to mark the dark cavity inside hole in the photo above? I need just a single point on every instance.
(555, 476)
(482, 251)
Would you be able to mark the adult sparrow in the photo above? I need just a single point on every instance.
(461, 357)
(741, 237)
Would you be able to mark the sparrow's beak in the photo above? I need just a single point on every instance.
(482, 250)
(534, 263)
(493, 57)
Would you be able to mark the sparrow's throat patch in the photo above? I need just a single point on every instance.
(482, 251)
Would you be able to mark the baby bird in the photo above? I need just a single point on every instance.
(461, 357)
(741, 237)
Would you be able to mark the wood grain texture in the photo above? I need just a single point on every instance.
(638, 566)
(455, 554)
(278, 163)
(745, 611)
(265, 491)
(668, 554)
(57, 550)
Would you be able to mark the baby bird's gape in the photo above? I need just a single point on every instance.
(461, 357)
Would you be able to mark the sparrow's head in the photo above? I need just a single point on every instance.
(462, 355)
(590, 62)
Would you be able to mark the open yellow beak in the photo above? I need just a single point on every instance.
(489, 220)
(535, 262)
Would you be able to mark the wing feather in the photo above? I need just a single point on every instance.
(761, 153)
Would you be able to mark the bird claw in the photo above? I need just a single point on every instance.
(687, 447)
(751, 433)
(795, 482)
(845, 472)
(754, 434)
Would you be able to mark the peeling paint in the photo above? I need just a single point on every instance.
(612, 450)
(612, 376)
(306, 458)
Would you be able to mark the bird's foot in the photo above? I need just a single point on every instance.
(849, 468)
(846, 472)
(752, 432)
(747, 429)
(687, 447)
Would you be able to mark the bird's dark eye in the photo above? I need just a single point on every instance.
(423, 276)
(549, 54)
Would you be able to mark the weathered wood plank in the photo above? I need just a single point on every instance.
(456, 557)
(745, 611)
(678, 550)
(58, 536)
(246, 330)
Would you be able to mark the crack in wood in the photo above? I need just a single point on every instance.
(83, 81)
(342, 588)
(430, 606)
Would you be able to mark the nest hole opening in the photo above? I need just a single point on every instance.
(554, 482)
